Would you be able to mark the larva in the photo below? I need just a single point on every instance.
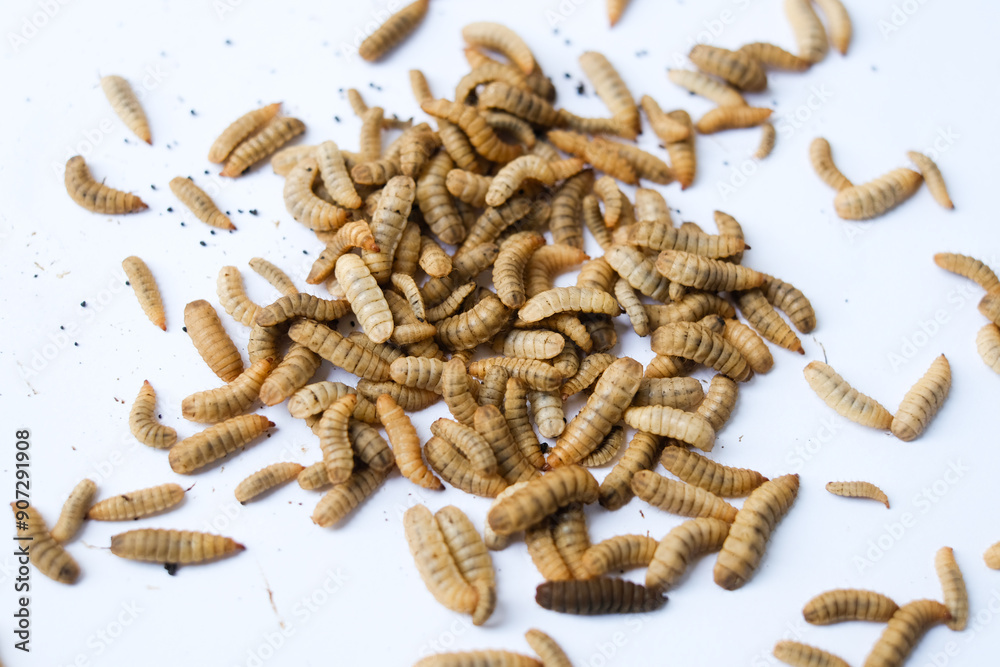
(968, 267)
(601, 330)
(770, 55)
(304, 205)
(684, 543)
(480, 134)
(748, 536)
(547, 649)
(591, 368)
(567, 362)
(803, 655)
(646, 165)
(844, 399)
(932, 175)
(522, 132)
(366, 297)
(822, 163)
(211, 340)
(178, 547)
(750, 345)
(471, 557)
(356, 234)
(126, 106)
(874, 198)
(419, 372)
(494, 386)
(714, 477)
(405, 444)
(691, 308)
(277, 278)
(336, 179)
(992, 557)
(660, 235)
(407, 286)
(735, 67)
(765, 320)
(387, 225)
(235, 398)
(408, 398)
(485, 658)
(640, 454)
(616, 125)
(610, 87)
(380, 171)
(564, 222)
(215, 442)
(638, 270)
(468, 187)
(285, 159)
(511, 463)
(433, 259)
(690, 340)
(514, 173)
(956, 598)
(922, 401)
(789, 299)
(599, 154)
(608, 193)
(240, 129)
(621, 552)
(338, 456)
(809, 32)
(314, 398)
(547, 413)
(415, 147)
(666, 128)
(44, 552)
(664, 366)
(233, 296)
(94, 196)
(74, 511)
(541, 497)
(569, 533)
(568, 299)
(137, 504)
(467, 441)
(717, 406)
(520, 103)
(146, 291)
(486, 73)
(681, 393)
(768, 137)
(989, 306)
(988, 346)
(370, 447)
(848, 604)
(493, 222)
(278, 132)
(730, 118)
(340, 351)
(263, 342)
(904, 630)
(515, 411)
(478, 325)
(680, 498)
(547, 262)
(455, 391)
(633, 307)
(199, 203)
(265, 479)
(508, 270)
(143, 424)
(501, 39)
(449, 306)
(700, 272)
(838, 23)
(603, 595)
(529, 344)
(705, 86)
(543, 552)
(456, 470)
(339, 501)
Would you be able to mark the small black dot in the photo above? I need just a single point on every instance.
(212, 232)
(337, 118)
(229, 42)
(83, 304)
(305, 252)
(203, 244)
(182, 224)
(567, 75)
(193, 113)
(253, 211)
(76, 345)
(152, 187)
(170, 209)
(128, 284)
(184, 329)
(239, 210)
(206, 172)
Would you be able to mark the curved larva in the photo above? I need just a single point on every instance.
(340, 351)
(564, 223)
(214, 345)
(177, 547)
(690, 340)
(485, 658)
(790, 300)
(932, 176)
(493, 387)
(768, 137)
(598, 596)
(621, 552)
(233, 296)
(126, 105)
(872, 199)
(751, 529)
(660, 235)
(365, 297)
(665, 366)
(530, 344)
(640, 454)
(199, 203)
(317, 397)
(735, 67)
(343, 498)
(435, 203)
(473, 327)
(143, 424)
(750, 345)
(968, 267)
(988, 346)
(680, 498)
(408, 287)
(770, 55)
(215, 442)
(405, 444)
(922, 401)
(265, 479)
(235, 398)
(568, 299)
(821, 157)
(989, 306)
(693, 270)
(610, 87)
(803, 655)
(543, 552)
(510, 177)
(638, 270)
(387, 225)
(608, 193)
(467, 441)
(809, 32)
(904, 630)
(45, 553)
(547, 262)
(684, 543)
(277, 278)
(687, 427)
(522, 131)
(730, 118)
(285, 159)
(468, 187)
(599, 154)
(278, 132)
(94, 196)
(766, 321)
(633, 307)
(683, 159)
(501, 39)
(435, 262)
(263, 342)
(456, 470)
(644, 164)
(515, 409)
(338, 456)
(486, 73)
(455, 391)
(858, 490)
(508, 270)
(681, 393)
(705, 86)
(336, 178)
(449, 306)
(291, 374)
(568, 528)
(838, 23)
(146, 291)
(379, 171)
(471, 557)
(666, 128)
(240, 129)
(304, 205)
(355, 234)
(844, 399)
(411, 399)
(512, 465)
(74, 511)
(551, 654)
(956, 598)
(691, 308)
(547, 413)
(520, 103)
(716, 478)
(493, 221)
(415, 147)
(137, 504)
(848, 604)
(541, 497)
(480, 134)
(419, 372)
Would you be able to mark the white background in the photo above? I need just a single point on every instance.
(351, 595)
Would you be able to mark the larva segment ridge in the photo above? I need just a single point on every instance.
(821, 157)
(178, 547)
(47, 555)
(304, 205)
(541, 497)
(215, 442)
(342, 499)
(240, 129)
(874, 198)
(143, 424)
(680, 498)
(500, 38)
(690, 340)
(620, 552)
(235, 398)
(126, 105)
(858, 490)
(848, 604)
(275, 134)
(766, 321)
(684, 543)
(956, 597)
(214, 345)
(137, 504)
(199, 203)
(804, 655)
(146, 291)
(844, 399)
(435, 562)
(736, 67)
(405, 444)
(906, 627)
(74, 511)
(471, 557)
(968, 267)
(716, 478)
(266, 479)
(94, 196)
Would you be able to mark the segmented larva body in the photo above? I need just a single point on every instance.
(621, 552)
(666, 128)
(680, 498)
(44, 552)
(633, 307)
(415, 147)
(480, 134)
(541, 497)
(932, 175)
(681, 393)
(691, 308)
(365, 297)
(737, 67)
(137, 504)
(844, 399)
(514, 173)
(370, 447)
(612, 90)
(285, 159)
(336, 178)
(822, 163)
(717, 406)
(94, 196)
(803, 655)
(485, 658)
(215, 442)
(143, 424)
(750, 345)
(343, 498)
(306, 206)
(233, 296)
(240, 129)
(521, 103)
(607, 192)
(530, 344)
(638, 270)
(874, 198)
(693, 270)
(199, 203)
(515, 409)
(468, 186)
(705, 86)
(988, 346)
(235, 398)
(266, 479)
(508, 270)
(547, 413)
(714, 477)
(334, 440)
(512, 466)
(433, 259)
(597, 154)
(478, 325)
(405, 444)
(471, 557)
(278, 132)
(74, 511)
(544, 554)
(277, 278)
(645, 164)
(640, 454)
(992, 557)
(904, 630)
(501, 39)
(263, 342)
(494, 386)
(545, 646)
(301, 305)
(768, 137)
(922, 401)
(690, 340)
(989, 306)
(594, 221)
(748, 536)
(809, 32)
(660, 235)
(314, 398)
(956, 598)
(211, 340)
(568, 299)
(790, 300)
(290, 375)
(435, 562)
(731, 118)
(178, 547)
(765, 320)
(418, 372)
(675, 552)
(838, 23)
(126, 105)
(456, 470)
(858, 490)
(770, 55)
(603, 595)
(146, 291)
(564, 222)
(467, 441)
(455, 391)
(569, 533)
(486, 73)
(968, 267)
(340, 351)
(387, 225)
(849, 604)
(547, 262)
(664, 366)
(607, 450)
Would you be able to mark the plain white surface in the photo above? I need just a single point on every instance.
(301, 595)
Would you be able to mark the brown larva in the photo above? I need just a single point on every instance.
(233, 296)
(765, 320)
(277, 278)
(768, 137)
(501, 39)
(465, 267)
(450, 306)
(700, 272)
(956, 598)
(304, 205)
(789, 299)
(547, 413)
(475, 326)
(387, 225)
(666, 366)
(405, 444)
(844, 399)
(602, 331)
(932, 176)
(265, 479)
(515, 410)
(143, 423)
(691, 308)
(692, 341)
(992, 557)
(415, 147)
(215, 442)
(610, 87)
(44, 552)
(705, 86)
(433, 259)
(541, 497)
(530, 344)
(285, 160)
(904, 630)
(338, 456)
(512, 465)
(989, 306)
(750, 345)
(770, 55)
(74, 511)
(494, 386)
(988, 346)
(523, 133)
(199, 203)
(660, 235)
(809, 32)
(468, 187)
(621, 552)
(748, 536)
(342, 498)
(380, 171)
(419, 372)
(968, 267)
(638, 270)
(411, 399)
(702, 472)
(480, 134)
(598, 596)
(719, 401)
(681, 393)
(137, 504)
(874, 198)
(518, 102)
(922, 401)
(803, 655)
(684, 543)
(278, 132)
(608, 193)
(94, 196)
(730, 118)
(508, 270)
(146, 291)
(235, 398)
(683, 159)
(211, 340)
(822, 163)
(177, 547)
(838, 23)
(736, 67)
(485, 658)
(356, 234)
(640, 454)
(680, 498)
(467, 441)
(471, 557)
(407, 286)
(263, 342)
(845, 604)
(546, 263)
(591, 368)
(291, 374)
(646, 165)
(569, 533)
(240, 129)
(543, 552)
(486, 73)
(616, 125)
(514, 173)
(493, 222)
(126, 105)
(633, 307)
(336, 179)
(666, 128)
(365, 297)
(547, 649)
(601, 154)
(456, 470)
(597, 274)
(455, 391)
(564, 222)
(568, 299)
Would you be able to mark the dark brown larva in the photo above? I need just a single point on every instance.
(592, 597)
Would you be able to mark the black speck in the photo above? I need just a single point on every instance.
(76, 344)
(184, 329)
(874, 69)
(128, 284)
(206, 172)
(170, 209)
(212, 232)
(568, 43)
(35, 276)
(229, 42)
(305, 252)
(193, 113)
(203, 244)
(182, 224)
(580, 90)
(567, 75)
(83, 304)
(253, 211)
(62, 327)
(152, 187)
(337, 118)
(555, 31)
(640, 54)
(725, 163)
(171, 568)
(353, 324)
(239, 210)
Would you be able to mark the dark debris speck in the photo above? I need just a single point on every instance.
(75, 344)
(336, 118)
(212, 232)
(184, 329)
(182, 224)
(170, 209)
(193, 112)
(203, 244)
(252, 211)
(229, 42)
(171, 568)
(580, 90)
(152, 187)
(83, 304)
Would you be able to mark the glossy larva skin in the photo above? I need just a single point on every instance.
(612, 90)
(693, 341)
(265, 479)
(541, 497)
(215, 442)
(598, 596)
(666, 128)
(45, 553)
(180, 547)
(844, 399)
(240, 129)
(680, 498)
(922, 401)
(705, 86)
(705, 473)
(480, 134)
(343, 498)
(681, 546)
(803, 655)
(305, 205)
(700, 272)
(237, 397)
(137, 504)
(849, 604)
(143, 423)
(233, 296)
(74, 511)
(736, 67)
(126, 105)
(821, 157)
(874, 198)
(515, 172)
(619, 553)
(487, 658)
(275, 134)
(473, 327)
(339, 351)
(547, 649)
(905, 629)
(809, 31)
(455, 469)
(199, 203)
